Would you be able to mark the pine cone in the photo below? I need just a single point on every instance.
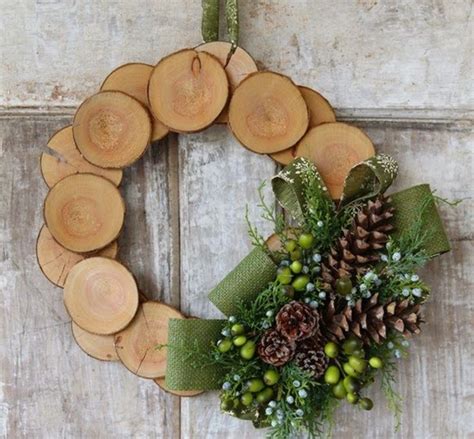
(310, 356)
(275, 349)
(297, 321)
(369, 320)
(357, 247)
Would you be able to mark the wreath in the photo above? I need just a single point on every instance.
(315, 313)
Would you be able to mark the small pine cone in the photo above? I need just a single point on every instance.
(310, 356)
(297, 321)
(275, 349)
(358, 246)
(369, 320)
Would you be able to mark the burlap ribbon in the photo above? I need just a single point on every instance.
(374, 176)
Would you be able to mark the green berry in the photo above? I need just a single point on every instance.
(331, 349)
(352, 397)
(339, 390)
(224, 345)
(366, 403)
(246, 399)
(350, 345)
(271, 377)
(343, 286)
(226, 404)
(265, 395)
(358, 364)
(349, 370)
(332, 375)
(376, 363)
(360, 353)
(237, 329)
(288, 290)
(284, 275)
(290, 245)
(351, 384)
(296, 255)
(240, 340)
(296, 267)
(255, 385)
(306, 240)
(299, 284)
(247, 351)
(236, 404)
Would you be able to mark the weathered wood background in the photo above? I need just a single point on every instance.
(401, 69)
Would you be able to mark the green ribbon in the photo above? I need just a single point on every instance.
(289, 187)
(369, 178)
(232, 19)
(210, 22)
(244, 282)
(414, 207)
(187, 341)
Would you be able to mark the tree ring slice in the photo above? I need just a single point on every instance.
(267, 113)
(84, 212)
(101, 295)
(112, 129)
(141, 346)
(133, 78)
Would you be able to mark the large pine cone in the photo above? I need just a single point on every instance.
(275, 349)
(358, 247)
(310, 356)
(369, 320)
(297, 321)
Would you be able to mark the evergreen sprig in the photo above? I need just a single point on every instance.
(268, 213)
(260, 313)
(393, 348)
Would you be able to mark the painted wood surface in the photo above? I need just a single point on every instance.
(401, 70)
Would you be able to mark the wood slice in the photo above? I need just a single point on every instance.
(238, 67)
(335, 148)
(320, 111)
(101, 295)
(140, 346)
(267, 113)
(56, 261)
(284, 157)
(188, 393)
(112, 129)
(70, 161)
(274, 243)
(188, 90)
(84, 212)
(133, 79)
(100, 347)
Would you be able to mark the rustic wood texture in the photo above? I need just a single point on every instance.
(400, 70)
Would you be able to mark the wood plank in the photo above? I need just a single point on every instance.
(376, 54)
(50, 387)
(218, 178)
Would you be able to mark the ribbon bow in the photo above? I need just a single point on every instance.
(251, 276)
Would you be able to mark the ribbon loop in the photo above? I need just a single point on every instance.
(369, 179)
(290, 183)
(416, 207)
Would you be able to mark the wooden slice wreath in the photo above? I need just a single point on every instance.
(309, 314)
(84, 212)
